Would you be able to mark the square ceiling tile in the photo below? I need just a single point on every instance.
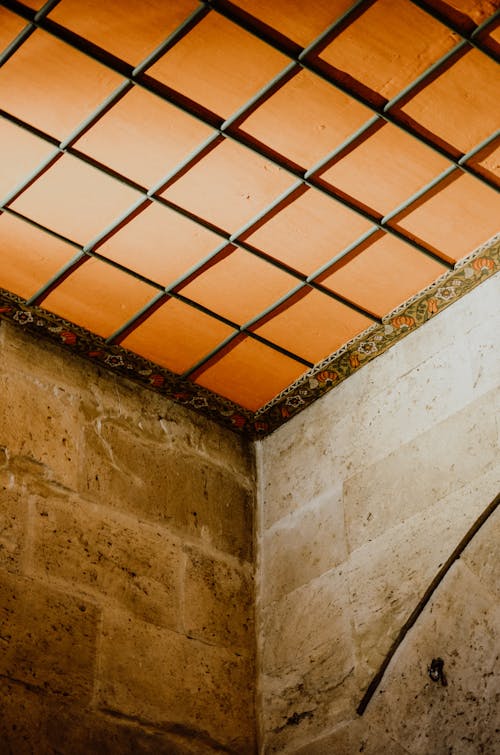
(219, 65)
(389, 46)
(313, 325)
(127, 30)
(160, 244)
(30, 257)
(386, 169)
(177, 336)
(309, 232)
(52, 86)
(459, 106)
(98, 297)
(143, 137)
(457, 219)
(229, 186)
(477, 11)
(250, 373)
(239, 286)
(20, 154)
(382, 274)
(488, 160)
(298, 21)
(306, 119)
(10, 26)
(75, 200)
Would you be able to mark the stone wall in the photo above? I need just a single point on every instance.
(362, 498)
(126, 566)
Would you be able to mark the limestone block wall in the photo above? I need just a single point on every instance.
(362, 498)
(126, 567)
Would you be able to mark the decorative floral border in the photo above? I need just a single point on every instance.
(470, 272)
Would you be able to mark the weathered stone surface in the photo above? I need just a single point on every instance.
(481, 555)
(302, 546)
(218, 602)
(448, 456)
(355, 736)
(183, 491)
(13, 524)
(136, 565)
(48, 638)
(164, 678)
(460, 626)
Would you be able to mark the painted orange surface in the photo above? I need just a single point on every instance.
(306, 119)
(29, 256)
(309, 232)
(477, 10)
(458, 219)
(386, 169)
(239, 286)
(160, 244)
(314, 326)
(391, 44)
(45, 70)
(462, 106)
(143, 137)
(35, 4)
(98, 297)
(490, 162)
(251, 374)
(10, 26)
(229, 186)
(219, 65)
(301, 22)
(75, 200)
(383, 275)
(176, 336)
(20, 154)
(127, 29)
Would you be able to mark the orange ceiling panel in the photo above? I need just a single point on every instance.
(45, 70)
(10, 26)
(240, 286)
(461, 216)
(29, 256)
(295, 19)
(309, 232)
(383, 274)
(75, 200)
(35, 4)
(457, 106)
(489, 161)
(143, 137)
(389, 46)
(24, 153)
(177, 336)
(306, 119)
(250, 374)
(219, 65)
(386, 169)
(314, 326)
(229, 186)
(477, 11)
(160, 244)
(98, 297)
(127, 30)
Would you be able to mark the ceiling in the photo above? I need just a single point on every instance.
(232, 193)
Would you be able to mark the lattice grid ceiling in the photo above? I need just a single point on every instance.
(235, 190)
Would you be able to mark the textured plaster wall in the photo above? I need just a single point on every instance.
(126, 567)
(361, 500)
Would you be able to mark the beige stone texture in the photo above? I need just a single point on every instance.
(219, 602)
(139, 676)
(353, 737)
(48, 638)
(175, 488)
(13, 524)
(482, 554)
(135, 565)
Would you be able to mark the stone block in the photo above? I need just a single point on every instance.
(355, 736)
(179, 490)
(48, 638)
(165, 679)
(460, 626)
(218, 602)
(134, 565)
(13, 524)
(449, 455)
(481, 555)
(303, 545)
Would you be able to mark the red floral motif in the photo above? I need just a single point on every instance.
(327, 376)
(354, 360)
(284, 412)
(68, 337)
(432, 306)
(182, 396)
(403, 321)
(4, 310)
(157, 380)
(483, 264)
(96, 354)
(260, 426)
(238, 420)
